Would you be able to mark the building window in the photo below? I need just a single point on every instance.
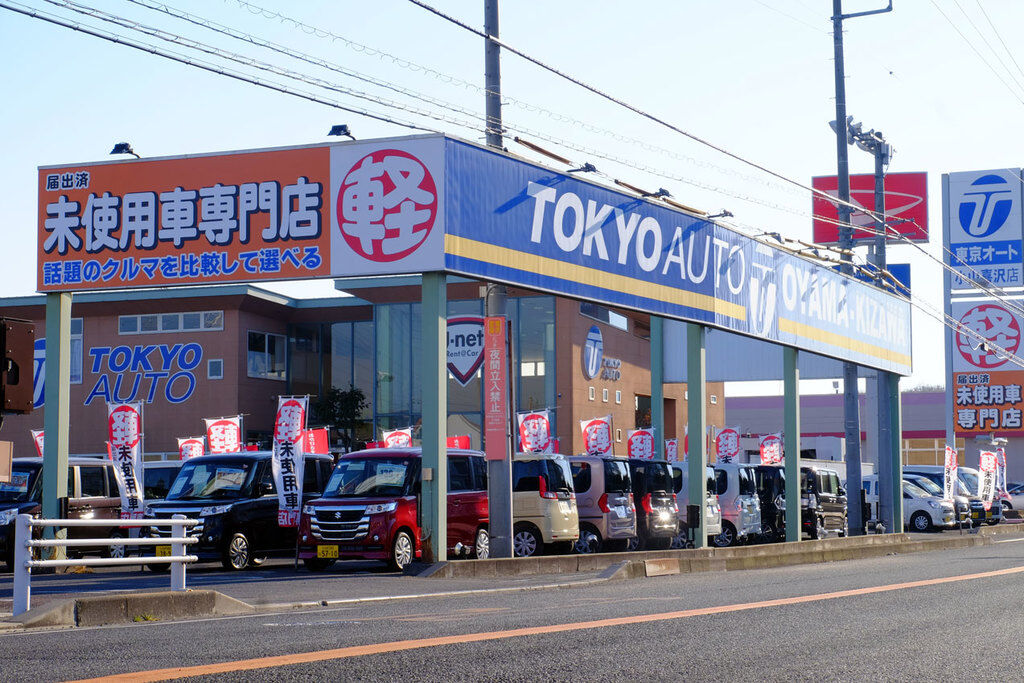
(714, 399)
(215, 368)
(686, 395)
(618, 396)
(604, 395)
(205, 321)
(618, 435)
(593, 393)
(76, 350)
(266, 355)
(603, 314)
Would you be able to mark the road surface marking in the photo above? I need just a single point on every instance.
(402, 645)
(1011, 540)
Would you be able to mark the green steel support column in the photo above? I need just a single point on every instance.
(696, 410)
(434, 510)
(896, 412)
(791, 424)
(658, 385)
(56, 413)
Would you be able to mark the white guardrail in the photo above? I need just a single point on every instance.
(24, 543)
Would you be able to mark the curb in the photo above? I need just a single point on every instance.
(104, 610)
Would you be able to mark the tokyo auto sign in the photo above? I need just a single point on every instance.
(993, 326)
(388, 207)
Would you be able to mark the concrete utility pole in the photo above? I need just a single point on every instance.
(499, 472)
(851, 394)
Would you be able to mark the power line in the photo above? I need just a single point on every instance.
(1000, 37)
(987, 43)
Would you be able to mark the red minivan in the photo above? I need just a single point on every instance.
(370, 509)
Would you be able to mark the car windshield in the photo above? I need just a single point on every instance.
(369, 477)
(970, 481)
(616, 476)
(20, 487)
(928, 485)
(220, 479)
(747, 485)
(659, 477)
(914, 490)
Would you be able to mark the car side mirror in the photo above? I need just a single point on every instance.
(842, 491)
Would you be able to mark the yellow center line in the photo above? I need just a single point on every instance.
(420, 643)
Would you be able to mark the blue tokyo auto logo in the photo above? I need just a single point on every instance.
(593, 352)
(985, 207)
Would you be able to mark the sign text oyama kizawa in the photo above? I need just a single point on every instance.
(124, 429)
(287, 463)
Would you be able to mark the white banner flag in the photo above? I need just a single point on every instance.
(640, 444)
(399, 438)
(288, 462)
(727, 444)
(597, 435)
(535, 432)
(672, 450)
(37, 439)
(224, 434)
(988, 464)
(771, 449)
(124, 427)
(949, 474)
(191, 447)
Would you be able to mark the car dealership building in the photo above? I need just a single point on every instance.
(202, 352)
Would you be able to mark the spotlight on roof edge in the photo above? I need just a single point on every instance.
(124, 148)
(341, 129)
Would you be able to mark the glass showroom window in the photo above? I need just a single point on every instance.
(266, 356)
(76, 350)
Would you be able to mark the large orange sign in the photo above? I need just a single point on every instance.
(987, 402)
(247, 216)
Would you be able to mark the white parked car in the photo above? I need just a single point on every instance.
(741, 508)
(921, 510)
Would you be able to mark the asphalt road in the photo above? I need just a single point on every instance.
(960, 629)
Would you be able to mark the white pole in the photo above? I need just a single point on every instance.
(22, 573)
(177, 549)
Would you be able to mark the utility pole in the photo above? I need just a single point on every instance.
(499, 472)
(851, 394)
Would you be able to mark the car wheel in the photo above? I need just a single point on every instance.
(115, 551)
(920, 521)
(993, 521)
(659, 543)
(315, 564)
(482, 544)
(1006, 505)
(589, 542)
(727, 537)
(526, 542)
(238, 553)
(679, 540)
(402, 551)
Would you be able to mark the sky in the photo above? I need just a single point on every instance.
(754, 78)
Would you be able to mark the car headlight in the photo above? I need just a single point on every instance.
(308, 509)
(935, 504)
(214, 510)
(378, 508)
(8, 516)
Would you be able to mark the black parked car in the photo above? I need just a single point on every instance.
(657, 513)
(234, 498)
(822, 502)
(771, 491)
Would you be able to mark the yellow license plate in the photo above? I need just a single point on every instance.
(163, 551)
(327, 552)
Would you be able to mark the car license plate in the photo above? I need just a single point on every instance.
(327, 552)
(163, 551)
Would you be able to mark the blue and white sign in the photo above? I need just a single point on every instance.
(144, 372)
(465, 347)
(39, 373)
(985, 227)
(592, 355)
(518, 223)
